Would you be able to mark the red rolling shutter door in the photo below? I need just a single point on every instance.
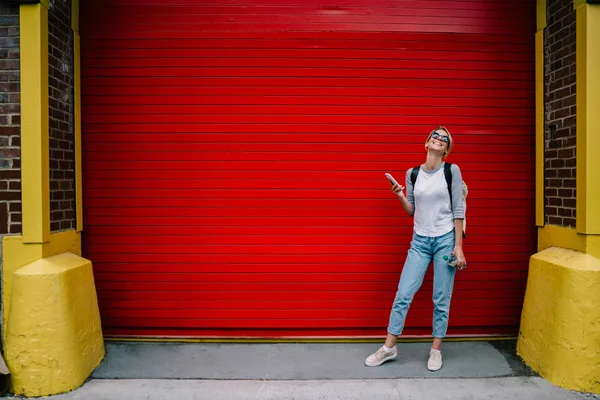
(234, 159)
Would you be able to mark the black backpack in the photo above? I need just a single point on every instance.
(448, 175)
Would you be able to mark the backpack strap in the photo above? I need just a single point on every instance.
(448, 175)
(413, 175)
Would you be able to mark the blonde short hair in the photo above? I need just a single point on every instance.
(450, 143)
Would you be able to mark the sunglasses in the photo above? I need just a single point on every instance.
(443, 138)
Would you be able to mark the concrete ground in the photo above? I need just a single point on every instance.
(294, 361)
(521, 388)
(472, 370)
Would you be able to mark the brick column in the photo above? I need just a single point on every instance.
(10, 120)
(560, 114)
(60, 82)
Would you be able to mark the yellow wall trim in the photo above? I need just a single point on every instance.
(35, 167)
(568, 238)
(558, 236)
(539, 128)
(578, 3)
(75, 16)
(77, 115)
(593, 118)
(588, 118)
(541, 14)
(45, 3)
(580, 82)
(77, 128)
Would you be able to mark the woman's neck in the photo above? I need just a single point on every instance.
(432, 162)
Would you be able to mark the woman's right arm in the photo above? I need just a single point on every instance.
(408, 200)
(408, 207)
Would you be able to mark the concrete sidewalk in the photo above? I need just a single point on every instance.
(472, 370)
(510, 388)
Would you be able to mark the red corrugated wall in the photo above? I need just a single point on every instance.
(234, 155)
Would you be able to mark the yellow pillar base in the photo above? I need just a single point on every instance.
(559, 336)
(53, 335)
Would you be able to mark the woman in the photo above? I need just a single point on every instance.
(438, 234)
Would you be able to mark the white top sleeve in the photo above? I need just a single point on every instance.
(458, 205)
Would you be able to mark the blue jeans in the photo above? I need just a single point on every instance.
(422, 250)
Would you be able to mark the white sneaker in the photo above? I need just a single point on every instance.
(381, 356)
(435, 360)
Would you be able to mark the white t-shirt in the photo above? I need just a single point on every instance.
(434, 215)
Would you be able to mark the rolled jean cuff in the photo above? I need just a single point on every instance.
(439, 333)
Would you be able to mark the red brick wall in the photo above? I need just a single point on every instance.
(60, 82)
(560, 112)
(10, 120)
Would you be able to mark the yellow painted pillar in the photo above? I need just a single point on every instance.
(559, 335)
(588, 119)
(52, 333)
(539, 112)
(34, 123)
(77, 116)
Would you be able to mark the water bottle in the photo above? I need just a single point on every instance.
(453, 260)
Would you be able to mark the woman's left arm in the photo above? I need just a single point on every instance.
(458, 243)
(458, 212)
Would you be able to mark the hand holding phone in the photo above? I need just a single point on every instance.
(391, 179)
(396, 187)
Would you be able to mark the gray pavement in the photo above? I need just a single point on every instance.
(479, 359)
(472, 370)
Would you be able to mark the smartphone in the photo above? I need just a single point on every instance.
(391, 179)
